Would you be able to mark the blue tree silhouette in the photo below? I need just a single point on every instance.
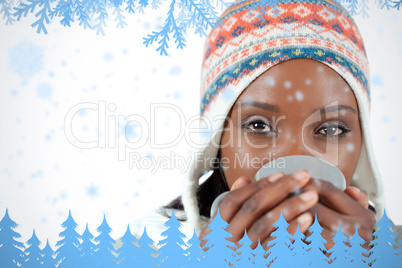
(126, 251)
(104, 249)
(356, 252)
(68, 254)
(315, 255)
(11, 250)
(220, 251)
(172, 246)
(383, 253)
(298, 248)
(145, 254)
(195, 254)
(47, 256)
(259, 256)
(280, 252)
(32, 252)
(339, 256)
(244, 252)
(87, 248)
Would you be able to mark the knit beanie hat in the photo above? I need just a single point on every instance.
(250, 37)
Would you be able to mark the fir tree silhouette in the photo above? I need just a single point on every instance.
(220, 250)
(298, 248)
(11, 250)
(145, 254)
(126, 251)
(259, 255)
(172, 246)
(340, 251)
(47, 253)
(32, 252)
(68, 254)
(195, 254)
(315, 256)
(87, 249)
(244, 252)
(103, 253)
(280, 252)
(356, 257)
(384, 251)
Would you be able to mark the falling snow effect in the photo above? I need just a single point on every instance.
(130, 131)
(377, 81)
(26, 60)
(175, 95)
(92, 191)
(350, 147)
(175, 70)
(288, 84)
(270, 81)
(82, 112)
(37, 174)
(299, 96)
(108, 57)
(308, 81)
(44, 91)
(285, 212)
(228, 94)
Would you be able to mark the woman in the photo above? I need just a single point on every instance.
(292, 79)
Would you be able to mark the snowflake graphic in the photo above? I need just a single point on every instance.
(44, 91)
(182, 15)
(25, 60)
(130, 130)
(92, 191)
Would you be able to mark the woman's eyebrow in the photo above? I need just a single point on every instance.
(256, 104)
(328, 109)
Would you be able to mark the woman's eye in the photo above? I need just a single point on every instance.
(258, 126)
(333, 130)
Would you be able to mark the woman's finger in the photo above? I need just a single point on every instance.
(240, 182)
(236, 197)
(263, 201)
(304, 221)
(330, 219)
(360, 196)
(291, 208)
(333, 197)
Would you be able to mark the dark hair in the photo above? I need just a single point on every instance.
(206, 192)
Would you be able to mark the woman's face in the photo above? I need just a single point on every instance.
(298, 107)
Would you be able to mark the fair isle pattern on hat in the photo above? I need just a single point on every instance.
(244, 41)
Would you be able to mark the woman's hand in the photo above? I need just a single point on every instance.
(348, 208)
(257, 206)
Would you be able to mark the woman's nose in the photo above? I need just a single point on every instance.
(295, 145)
